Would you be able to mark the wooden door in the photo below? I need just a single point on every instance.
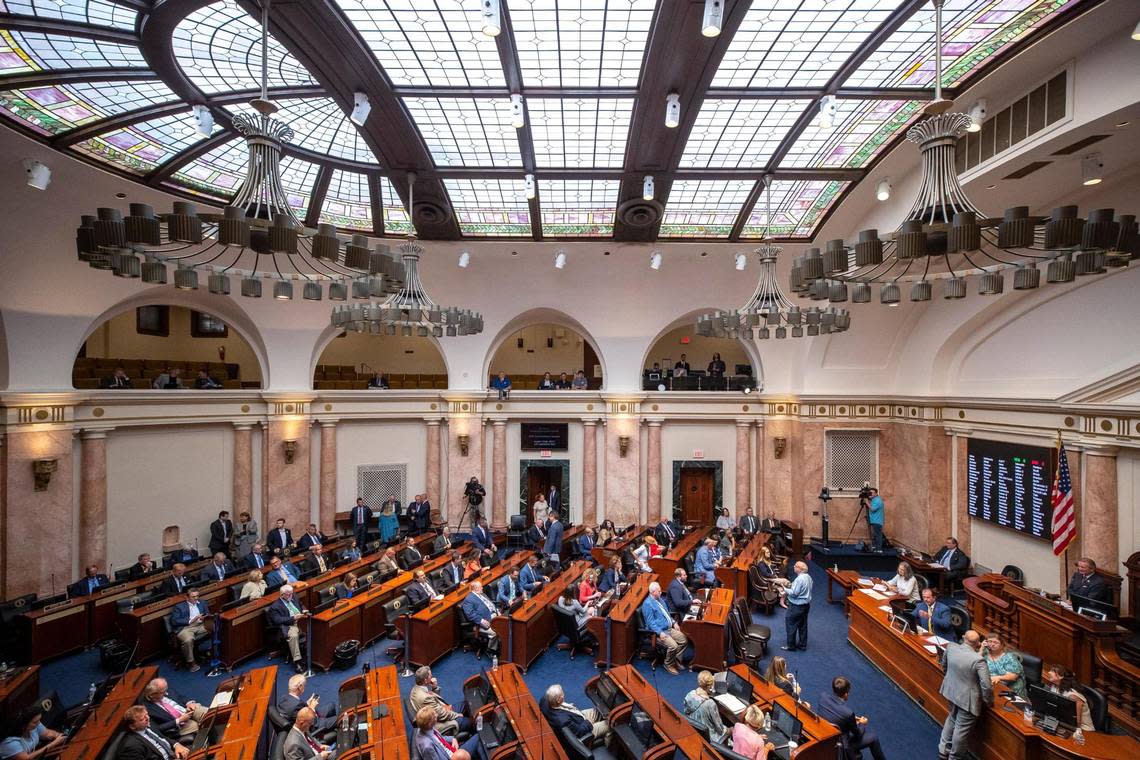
(538, 481)
(697, 495)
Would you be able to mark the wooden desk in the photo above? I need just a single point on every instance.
(620, 646)
(1001, 734)
(19, 687)
(848, 580)
(666, 564)
(242, 721)
(937, 574)
(819, 735)
(105, 719)
(386, 735)
(735, 574)
(55, 630)
(707, 633)
(794, 537)
(530, 629)
(603, 554)
(536, 737)
(672, 726)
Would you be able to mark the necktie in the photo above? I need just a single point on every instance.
(172, 708)
(442, 741)
(946, 559)
(930, 620)
(226, 530)
(91, 585)
(260, 562)
(221, 571)
(292, 608)
(316, 747)
(178, 583)
(158, 743)
(321, 563)
(510, 591)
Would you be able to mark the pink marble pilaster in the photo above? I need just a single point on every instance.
(288, 486)
(499, 474)
(461, 468)
(432, 463)
(590, 472)
(776, 486)
(327, 508)
(623, 474)
(243, 470)
(1100, 515)
(653, 472)
(743, 467)
(93, 499)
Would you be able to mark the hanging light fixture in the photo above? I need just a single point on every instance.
(946, 237)
(769, 311)
(258, 236)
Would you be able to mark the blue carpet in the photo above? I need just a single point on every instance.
(911, 732)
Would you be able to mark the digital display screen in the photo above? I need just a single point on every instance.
(1009, 484)
(545, 436)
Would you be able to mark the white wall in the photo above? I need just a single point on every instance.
(678, 440)
(997, 547)
(366, 443)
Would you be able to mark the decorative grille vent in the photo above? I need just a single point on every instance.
(852, 459)
(376, 482)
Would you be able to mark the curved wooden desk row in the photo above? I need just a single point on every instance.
(1002, 734)
(819, 736)
(19, 687)
(617, 632)
(666, 564)
(672, 727)
(603, 554)
(529, 630)
(386, 736)
(534, 736)
(735, 574)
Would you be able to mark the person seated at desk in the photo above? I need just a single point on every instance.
(141, 742)
(661, 623)
(1004, 665)
(254, 586)
(536, 534)
(678, 596)
(176, 582)
(473, 567)
(502, 384)
(451, 574)
(479, 609)
(430, 744)
(412, 554)
(281, 573)
(905, 583)
(171, 715)
(284, 613)
(767, 568)
(420, 591)
(386, 565)
(1061, 680)
(641, 555)
(483, 539)
(206, 383)
(1085, 582)
(932, 616)
(255, 560)
(956, 561)
(665, 532)
(378, 382)
(145, 566)
(704, 567)
(26, 744)
(91, 581)
(700, 708)
(612, 577)
(426, 694)
(833, 707)
(585, 724)
(724, 520)
(312, 537)
(606, 532)
(316, 563)
(293, 701)
(588, 592)
(280, 538)
(188, 621)
(746, 737)
(655, 549)
(299, 745)
(348, 587)
(726, 546)
(442, 542)
(217, 569)
(510, 588)
(117, 381)
(569, 602)
(168, 379)
(778, 675)
(587, 542)
(531, 577)
(749, 524)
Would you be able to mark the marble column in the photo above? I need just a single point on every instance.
(499, 474)
(653, 472)
(743, 468)
(590, 472)
(460, 467)
(93, 500)
(327, 488)
(243, 470)
(960, 524)
(623, 473)
(1099, 517)
(432, 465)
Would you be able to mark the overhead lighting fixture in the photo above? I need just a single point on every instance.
(741, 261)
(361, 107)
(883, 189)
(39, 175)
(1136, 32)
(203, 120)
(977, 115)
(827, 111)
(672, 110)
(529, 187)
(560, 259)
(647, 187)
(492, 14)
(518, 118)
(464, 259)
(655, 260)
(1092, 170)
(713, 18)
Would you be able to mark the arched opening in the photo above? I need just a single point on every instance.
(154, 344)
(679, 344)
(545, 341)
(358, 361)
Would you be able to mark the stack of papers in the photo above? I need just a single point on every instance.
(873, 594)
(937, 640)
(866, 582)
(221, 699)
(886, 608)
(930, 648)
(732, 702)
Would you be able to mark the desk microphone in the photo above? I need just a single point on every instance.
(654, 671)
(795, 696)
(53, 584)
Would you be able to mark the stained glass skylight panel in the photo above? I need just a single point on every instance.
(578, 208)
(703, 208)
(490, 207)
(98, 12)
(141, 147)
(428, 42)
(581, 43)
(218, 46)
(466, 131)
(297, 177)
(348, 202)
(732, 133)
(581, 132)
(320, 126)
(797, 207)
(975, 32)
(57, 51)
(58, 108)
(219, 172)
(396, 220)
(861, 129)
(798, 43)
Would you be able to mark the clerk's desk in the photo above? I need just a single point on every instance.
(603, 554)
(707, 631)
(617, 632)
(668, 562)
(819, 736)
(673, 729)
(372, 703)
(98, 729)
(533, 736)
(734, 575)
(19, 687)
(529, 630)
(1001, 734)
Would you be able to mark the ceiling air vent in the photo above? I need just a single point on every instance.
(1079, 145)
(1022, 119)
(1028, 169)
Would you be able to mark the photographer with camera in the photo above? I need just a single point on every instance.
(876, 515)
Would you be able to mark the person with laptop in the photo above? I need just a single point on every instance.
(967, 690)
(747, 739)
(1004, 666)
(1061, 680)
(701, 710)
(1085, 582)
(833, 707)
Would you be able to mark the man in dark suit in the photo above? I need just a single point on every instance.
(280, 538)
(585, 724)
(665, 532)
(294, 699)
(217, 569)
(171, 715)
(176, 582)
(312, 537)
(554, 500)
(188, 621)
(482, 537)
(678, 596)
(359, 520)
(968, 689)
(221, 533)
(420, 591)
(610, 579)
(772, 525)
(1085, 582)
(91, 580)
(145, 566)
(586, 542)
(412, 555)
(531, 577)
(316, 563)
(479, 610)
(857, 736)
(956, 561)
(117, 381)
(141, 742)
(553, 547)
(451, 574)
(281, 573)
(255, 560)
(536, 534)
(932, 616)
(749, 524)
(442, 542)
(419, 513)
(285, 613)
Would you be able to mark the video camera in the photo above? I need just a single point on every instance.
(865, 491)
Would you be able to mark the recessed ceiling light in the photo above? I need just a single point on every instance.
(120, 195)
(514, 253)
(704, 253)
(990, 187)
(605, 253)
(1123, 123)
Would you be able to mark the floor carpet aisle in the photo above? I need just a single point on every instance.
(904, 729)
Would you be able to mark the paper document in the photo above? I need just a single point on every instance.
(886, 608)
(733, 703)
(930, 648)
(866, 582)
(221, 699)
(938, 640)
(873, 594)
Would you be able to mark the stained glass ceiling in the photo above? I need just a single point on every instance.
(592, 75)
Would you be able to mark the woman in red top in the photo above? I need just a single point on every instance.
(588, 588)
(654, 548)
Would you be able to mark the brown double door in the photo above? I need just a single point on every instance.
(697, 495)
(538, 481)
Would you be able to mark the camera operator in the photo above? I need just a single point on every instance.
(474, 492)
(876, 515)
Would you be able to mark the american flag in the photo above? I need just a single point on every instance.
(1064, 512)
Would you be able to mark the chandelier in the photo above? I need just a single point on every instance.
(257, 237)
(409, 309)
(946, 237)
(769, 311)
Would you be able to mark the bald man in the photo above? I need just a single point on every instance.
(967, 689)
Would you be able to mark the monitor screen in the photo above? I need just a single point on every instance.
(1083, 602)
(786, 722)
(739, 687)
(545, 436)
(642, 726)
(1010, 485)
(1050, 704)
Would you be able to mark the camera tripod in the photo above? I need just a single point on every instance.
(864, 513)
(475, 516)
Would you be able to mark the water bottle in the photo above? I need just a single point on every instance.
(91, 694)
(478, 723)
(1028, 715)
(1079, 736)
(495, 662)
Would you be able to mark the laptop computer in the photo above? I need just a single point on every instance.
(738, 693)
